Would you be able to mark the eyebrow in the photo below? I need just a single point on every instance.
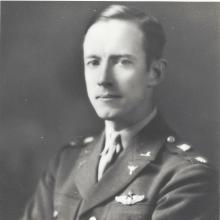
(92, 57)
(114, 56)
(118, 56)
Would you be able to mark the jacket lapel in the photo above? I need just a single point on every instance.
(129, 165)
(85, 170)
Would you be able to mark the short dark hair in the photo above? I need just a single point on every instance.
(153, 32)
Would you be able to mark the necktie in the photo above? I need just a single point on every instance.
(109, 154)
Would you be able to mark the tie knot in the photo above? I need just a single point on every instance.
(117, 143)
(113, 144)
(116, 139)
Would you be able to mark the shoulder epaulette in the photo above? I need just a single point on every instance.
(184, 150)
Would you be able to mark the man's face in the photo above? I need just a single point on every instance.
(116, 74)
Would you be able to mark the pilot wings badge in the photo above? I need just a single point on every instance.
(129, 199)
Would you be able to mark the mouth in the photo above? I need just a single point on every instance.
(108, 96)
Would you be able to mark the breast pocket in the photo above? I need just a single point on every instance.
(65, 208)
(138, 211)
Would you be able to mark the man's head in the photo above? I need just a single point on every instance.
(153, 34)
(122, 60)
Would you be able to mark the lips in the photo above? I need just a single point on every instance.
(108, 96)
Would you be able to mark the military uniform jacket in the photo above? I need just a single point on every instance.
(157, 178)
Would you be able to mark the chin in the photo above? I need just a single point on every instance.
(108, 115)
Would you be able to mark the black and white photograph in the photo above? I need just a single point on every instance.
(109, 110)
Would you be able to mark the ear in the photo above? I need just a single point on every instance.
(157, 72)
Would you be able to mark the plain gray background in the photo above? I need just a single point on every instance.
(42, 93)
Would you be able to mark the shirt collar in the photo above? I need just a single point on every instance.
(128, 133)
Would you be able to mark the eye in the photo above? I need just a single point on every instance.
(93, 62)
(125, 62)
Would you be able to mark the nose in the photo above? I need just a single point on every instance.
(106, 79)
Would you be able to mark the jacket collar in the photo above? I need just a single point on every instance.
(143, 151)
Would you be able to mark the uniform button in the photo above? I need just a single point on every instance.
(92, 218)
(55, 213)
(171, 139)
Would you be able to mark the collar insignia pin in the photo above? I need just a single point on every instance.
(201, 159)
(184, 147)
(148, 154)
(132, 168)
(88, 140)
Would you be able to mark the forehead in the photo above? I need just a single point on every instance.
(110, 35)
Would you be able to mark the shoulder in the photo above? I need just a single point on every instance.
(181, 157)
(67, 155)
(182, 169)
(187, 179)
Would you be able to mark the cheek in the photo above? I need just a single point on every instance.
(134, 86)
(138, 92)
(90, 82)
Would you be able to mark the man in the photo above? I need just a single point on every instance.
(138, 168)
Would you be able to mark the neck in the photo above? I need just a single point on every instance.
(125, 122)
